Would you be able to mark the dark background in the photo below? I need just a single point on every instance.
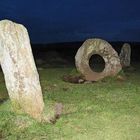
(62, 26)
(67, 51)
(56, 21)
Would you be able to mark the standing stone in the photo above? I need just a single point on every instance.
(20, 73)
(105, 50)
(125, 55)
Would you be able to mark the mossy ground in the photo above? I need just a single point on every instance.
(105, 110)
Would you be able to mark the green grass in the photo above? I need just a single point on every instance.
(105, 110)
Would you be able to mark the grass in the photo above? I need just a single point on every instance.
(105, 110)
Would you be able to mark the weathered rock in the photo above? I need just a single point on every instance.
(17, 62)
(125, 55)
(105, 50)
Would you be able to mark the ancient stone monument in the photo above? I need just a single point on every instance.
(20, 73)
(125, 55)
(104, 49)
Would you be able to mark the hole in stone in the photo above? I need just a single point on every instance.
(97, 63)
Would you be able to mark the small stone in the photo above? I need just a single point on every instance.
(58, 109)
(125, 55)
(80, 80)
(121, 78)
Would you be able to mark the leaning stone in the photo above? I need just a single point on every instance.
(125, 55)
(21, 76)
(105, 50)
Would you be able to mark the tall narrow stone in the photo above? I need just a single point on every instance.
(20, 73)
(125, 55)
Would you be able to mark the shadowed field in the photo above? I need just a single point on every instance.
(104, 110)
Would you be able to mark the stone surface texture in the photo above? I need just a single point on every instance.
(20, 73)
(105, 50)
(125, 55)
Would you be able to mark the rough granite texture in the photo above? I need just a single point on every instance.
(125, 55)
(20, 73)
(105, 50)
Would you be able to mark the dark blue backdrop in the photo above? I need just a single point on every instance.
(53, 21)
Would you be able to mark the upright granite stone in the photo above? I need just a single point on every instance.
(20, 73)
(125, 55)
(104, 49)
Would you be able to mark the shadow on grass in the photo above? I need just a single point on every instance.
(2, 101)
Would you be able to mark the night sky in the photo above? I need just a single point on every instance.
(54, 21)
